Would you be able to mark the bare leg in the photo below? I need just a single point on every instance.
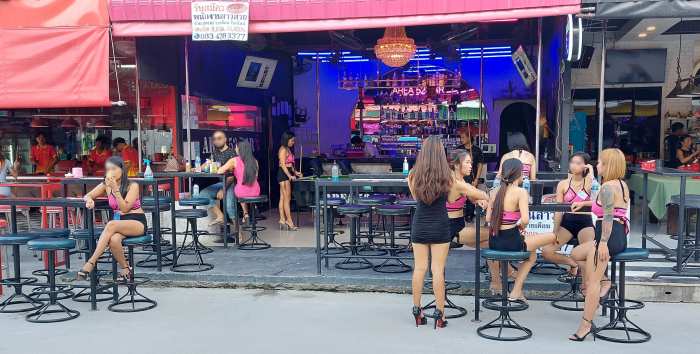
(437, 267)
(467, 236)
(287, 207)
(245, 208)
(595, 274)
(533, 242)
(420, 267)
(115, 246)
(551, 252)
(579, 254)
(280, 205)
(121, 227)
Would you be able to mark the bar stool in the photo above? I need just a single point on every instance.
(148, 205)
(253, 242)
(129, 301)
(103, 294)
(195, 202)
(355, 262)
(373, 201)
(54, 309)
(19, 301)
(41, 291)
(332, 247)
(194, 248)
(691, 243)
(503, 305)
(619, 305)
(392, 265)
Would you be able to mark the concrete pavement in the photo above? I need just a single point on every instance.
(202, 321)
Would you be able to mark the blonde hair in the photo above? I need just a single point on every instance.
(615, 164)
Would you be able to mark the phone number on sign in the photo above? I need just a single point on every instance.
(220, 36)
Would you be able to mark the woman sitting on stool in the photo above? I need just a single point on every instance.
(610, 235)
(129, 219)
(430, 181)
(574, 227)
(245, 168)
(508, 214)
(461, 166)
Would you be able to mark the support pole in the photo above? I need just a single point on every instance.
(601, 99)
(188, 129)
(538, 109)
(138, 111)
(318, 107)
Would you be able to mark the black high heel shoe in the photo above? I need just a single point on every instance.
(593, 329)
(440, 321)
(83, 274)
(419, 317)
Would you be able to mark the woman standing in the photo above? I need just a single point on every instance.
(574, 227)
(519, 149)
(285, 175)
(508, 214)
(6, 168)
(430, 181)
(610, 234)
(245, 169)
(129, 219)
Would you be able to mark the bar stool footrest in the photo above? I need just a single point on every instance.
(354, 264)
(19, 299)
(64, 314)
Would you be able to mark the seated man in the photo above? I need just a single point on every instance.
(221, 154)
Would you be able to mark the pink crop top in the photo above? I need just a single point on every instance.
(290, 158)
(618, 213)
(571, 196)
(526, 170)
(115, 205)
(457, 204)
(510, 217)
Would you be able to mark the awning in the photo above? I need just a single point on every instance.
(169, 18)
(54, 53)
(640, 9)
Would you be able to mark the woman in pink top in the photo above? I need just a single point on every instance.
(129, 219)
(245, 169)
(286, 174)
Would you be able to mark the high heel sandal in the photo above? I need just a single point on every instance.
(83, 274)
(520, 298)
(292, 227)
(577, 338)
(606, 293)
(124, 277)
(440, 321)
(419, 317)
(283, 225)
(244, 220)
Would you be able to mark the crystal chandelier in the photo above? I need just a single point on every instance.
(395, 49)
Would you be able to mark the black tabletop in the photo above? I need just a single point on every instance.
(35, 202)
(189, 174)
(96, 180)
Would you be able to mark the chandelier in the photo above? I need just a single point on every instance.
(395, 49)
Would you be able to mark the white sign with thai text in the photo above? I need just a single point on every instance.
(220, 20)
(540, 222)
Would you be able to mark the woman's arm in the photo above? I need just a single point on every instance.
(98, 191)
(607, 198)
(410, 185)
(492, 198)
(230, 165)
(524, 208)
(683, 159)
(533, 168)
(472, 192)
(127, 202)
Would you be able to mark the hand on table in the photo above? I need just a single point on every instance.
(576, 206)
(482, 203)
(89, 203)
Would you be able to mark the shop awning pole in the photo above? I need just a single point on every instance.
(538, 109)
(187, 102)
(601, 99)
(138, 111)
(318, 107)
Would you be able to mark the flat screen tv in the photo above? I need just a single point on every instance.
(639, 66)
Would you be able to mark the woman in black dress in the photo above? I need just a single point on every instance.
(430, 181)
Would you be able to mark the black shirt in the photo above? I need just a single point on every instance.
(477, 158)
(673, 143)
(221, 157)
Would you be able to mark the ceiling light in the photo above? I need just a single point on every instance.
(395, 49)
(651, 28)
(642, 35)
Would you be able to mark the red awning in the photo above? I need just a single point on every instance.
(54, 54)
(160, 18)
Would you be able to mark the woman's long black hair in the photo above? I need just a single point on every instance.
(286, 137)
(517, 141)
(124, 185)
(245, 152)
(512, 170)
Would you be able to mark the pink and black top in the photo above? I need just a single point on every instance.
(457, 205)
(619, 213)
(115, 205)
(571, 196)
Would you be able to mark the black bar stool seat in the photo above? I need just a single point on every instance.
(504, 323)
(194, 201)
(619, 305)
(53, 310)
(194, 248)
(254, 242)
(392, 265)
(133, 300)
(19, 301)
(373, 201)
(41, 292)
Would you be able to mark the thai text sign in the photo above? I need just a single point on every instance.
(540, 222)
(220, 20)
